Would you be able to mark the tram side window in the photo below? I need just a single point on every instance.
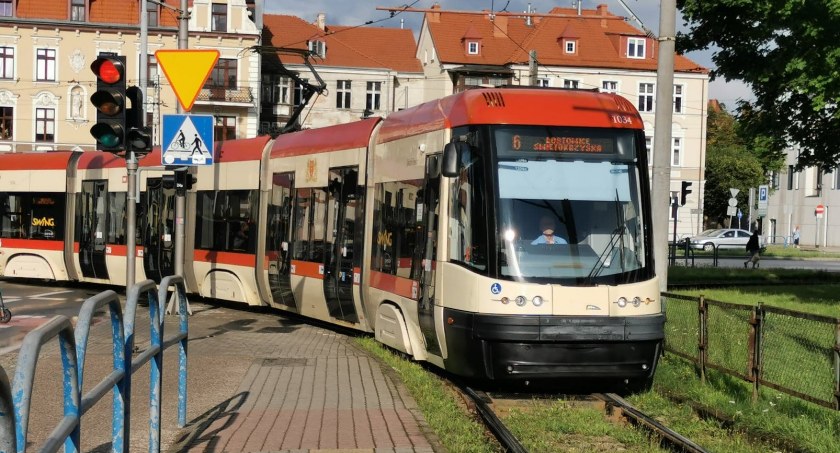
(468, 214)
(395, 224)
(310, 225)
(226, 220)
(32, 216)
(116, 208)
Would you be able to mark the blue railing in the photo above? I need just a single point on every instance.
(15, 399)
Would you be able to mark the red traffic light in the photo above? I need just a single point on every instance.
(108, 69)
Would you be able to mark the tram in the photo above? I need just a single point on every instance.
(428, 228)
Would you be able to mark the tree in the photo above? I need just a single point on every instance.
(788, 52)
(729, 164)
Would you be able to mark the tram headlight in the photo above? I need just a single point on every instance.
(537, 301)
(622, 302)
(505, 300)
(510, 235)
(637, 301)
(521, 300)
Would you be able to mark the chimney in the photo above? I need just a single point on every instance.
(435, 16)
(528, 17)
(603, 12)
(501, 27)
(321, 21)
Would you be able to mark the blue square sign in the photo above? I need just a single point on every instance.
(187, 140)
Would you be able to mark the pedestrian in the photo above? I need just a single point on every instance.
(754, 249)
(796, 236)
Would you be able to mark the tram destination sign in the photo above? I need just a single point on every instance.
(562, 144)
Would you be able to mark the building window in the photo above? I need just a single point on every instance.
(225, 128)
(152, 73)
(219, 19)
(7, 121)
(570, 46)
(774, 180)
(649, 149)
(7, 62)
(6, 7)
(46, 65)
(635, 48)
(44, 125)
(318, 48)
(678, 98)
(298, 96)
(374, 94)
(152, 13)
(77, 10)
(790, 177)
(676, 152)
(572, 84)
(543, 83)
(609, 86)
(835, 184)
(223, 75)
(472, 47)
(645, 97)
(342, 100)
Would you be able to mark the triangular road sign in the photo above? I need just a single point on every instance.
(187, 70)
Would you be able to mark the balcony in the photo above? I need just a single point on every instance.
(216, 95)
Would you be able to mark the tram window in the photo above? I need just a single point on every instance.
(394, 226)
(467, 212)
(32, 216)
(309, 230)
(226, 220)
(116, 208)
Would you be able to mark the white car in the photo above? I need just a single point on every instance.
(722, 238)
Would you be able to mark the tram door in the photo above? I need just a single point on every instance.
(280, 208)
(339, 260)
(158, 224)
(425, 251)
(92, 228)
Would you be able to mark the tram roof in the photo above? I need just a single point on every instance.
(225, 151)
(514, 106)
(325, 139)
(100, 159)
(53, 160)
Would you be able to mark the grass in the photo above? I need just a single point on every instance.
(776, 251)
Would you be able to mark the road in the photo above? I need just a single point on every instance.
(34, 304)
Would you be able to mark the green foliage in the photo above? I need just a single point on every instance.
(728, 167)
(788, 52)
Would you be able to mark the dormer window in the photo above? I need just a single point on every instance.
(318, 48)
(570, 46)
(635, 47)
(472, 47)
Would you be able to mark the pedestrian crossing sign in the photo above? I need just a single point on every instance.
(187, 140)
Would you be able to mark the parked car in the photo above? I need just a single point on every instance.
(723, 238)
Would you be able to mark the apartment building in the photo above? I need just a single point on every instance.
(591, 50)
(794, 201)
(47, 46)
(366, 71)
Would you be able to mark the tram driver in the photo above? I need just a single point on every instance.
(547, 226)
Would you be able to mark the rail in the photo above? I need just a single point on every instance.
(15, 399)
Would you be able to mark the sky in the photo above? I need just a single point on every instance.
(357, 12)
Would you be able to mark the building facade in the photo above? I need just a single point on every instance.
(794, 201)
(366, 71)
(591, 50)
(47, 46)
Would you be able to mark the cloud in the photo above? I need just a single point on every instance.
(358, 12)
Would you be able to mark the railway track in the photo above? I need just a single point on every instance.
(613, 404)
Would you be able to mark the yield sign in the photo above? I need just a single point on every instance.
(187, 70)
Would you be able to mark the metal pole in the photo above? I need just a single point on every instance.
(661, 180)
(180, 193)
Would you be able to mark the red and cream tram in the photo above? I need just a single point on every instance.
(428, 228)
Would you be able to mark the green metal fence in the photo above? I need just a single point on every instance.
(793, 352)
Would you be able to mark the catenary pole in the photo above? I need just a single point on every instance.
(181, 176)
(661, 183)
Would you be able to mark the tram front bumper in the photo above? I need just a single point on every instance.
(504, 347)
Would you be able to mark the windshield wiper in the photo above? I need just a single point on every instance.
(616, 237)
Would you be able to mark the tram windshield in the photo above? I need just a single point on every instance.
(570, 205)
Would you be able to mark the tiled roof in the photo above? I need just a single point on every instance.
(601, 43)
(123, 12)
(350, 47)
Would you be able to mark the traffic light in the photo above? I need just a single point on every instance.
(138, 138)
(110, 102)
(686, 189)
